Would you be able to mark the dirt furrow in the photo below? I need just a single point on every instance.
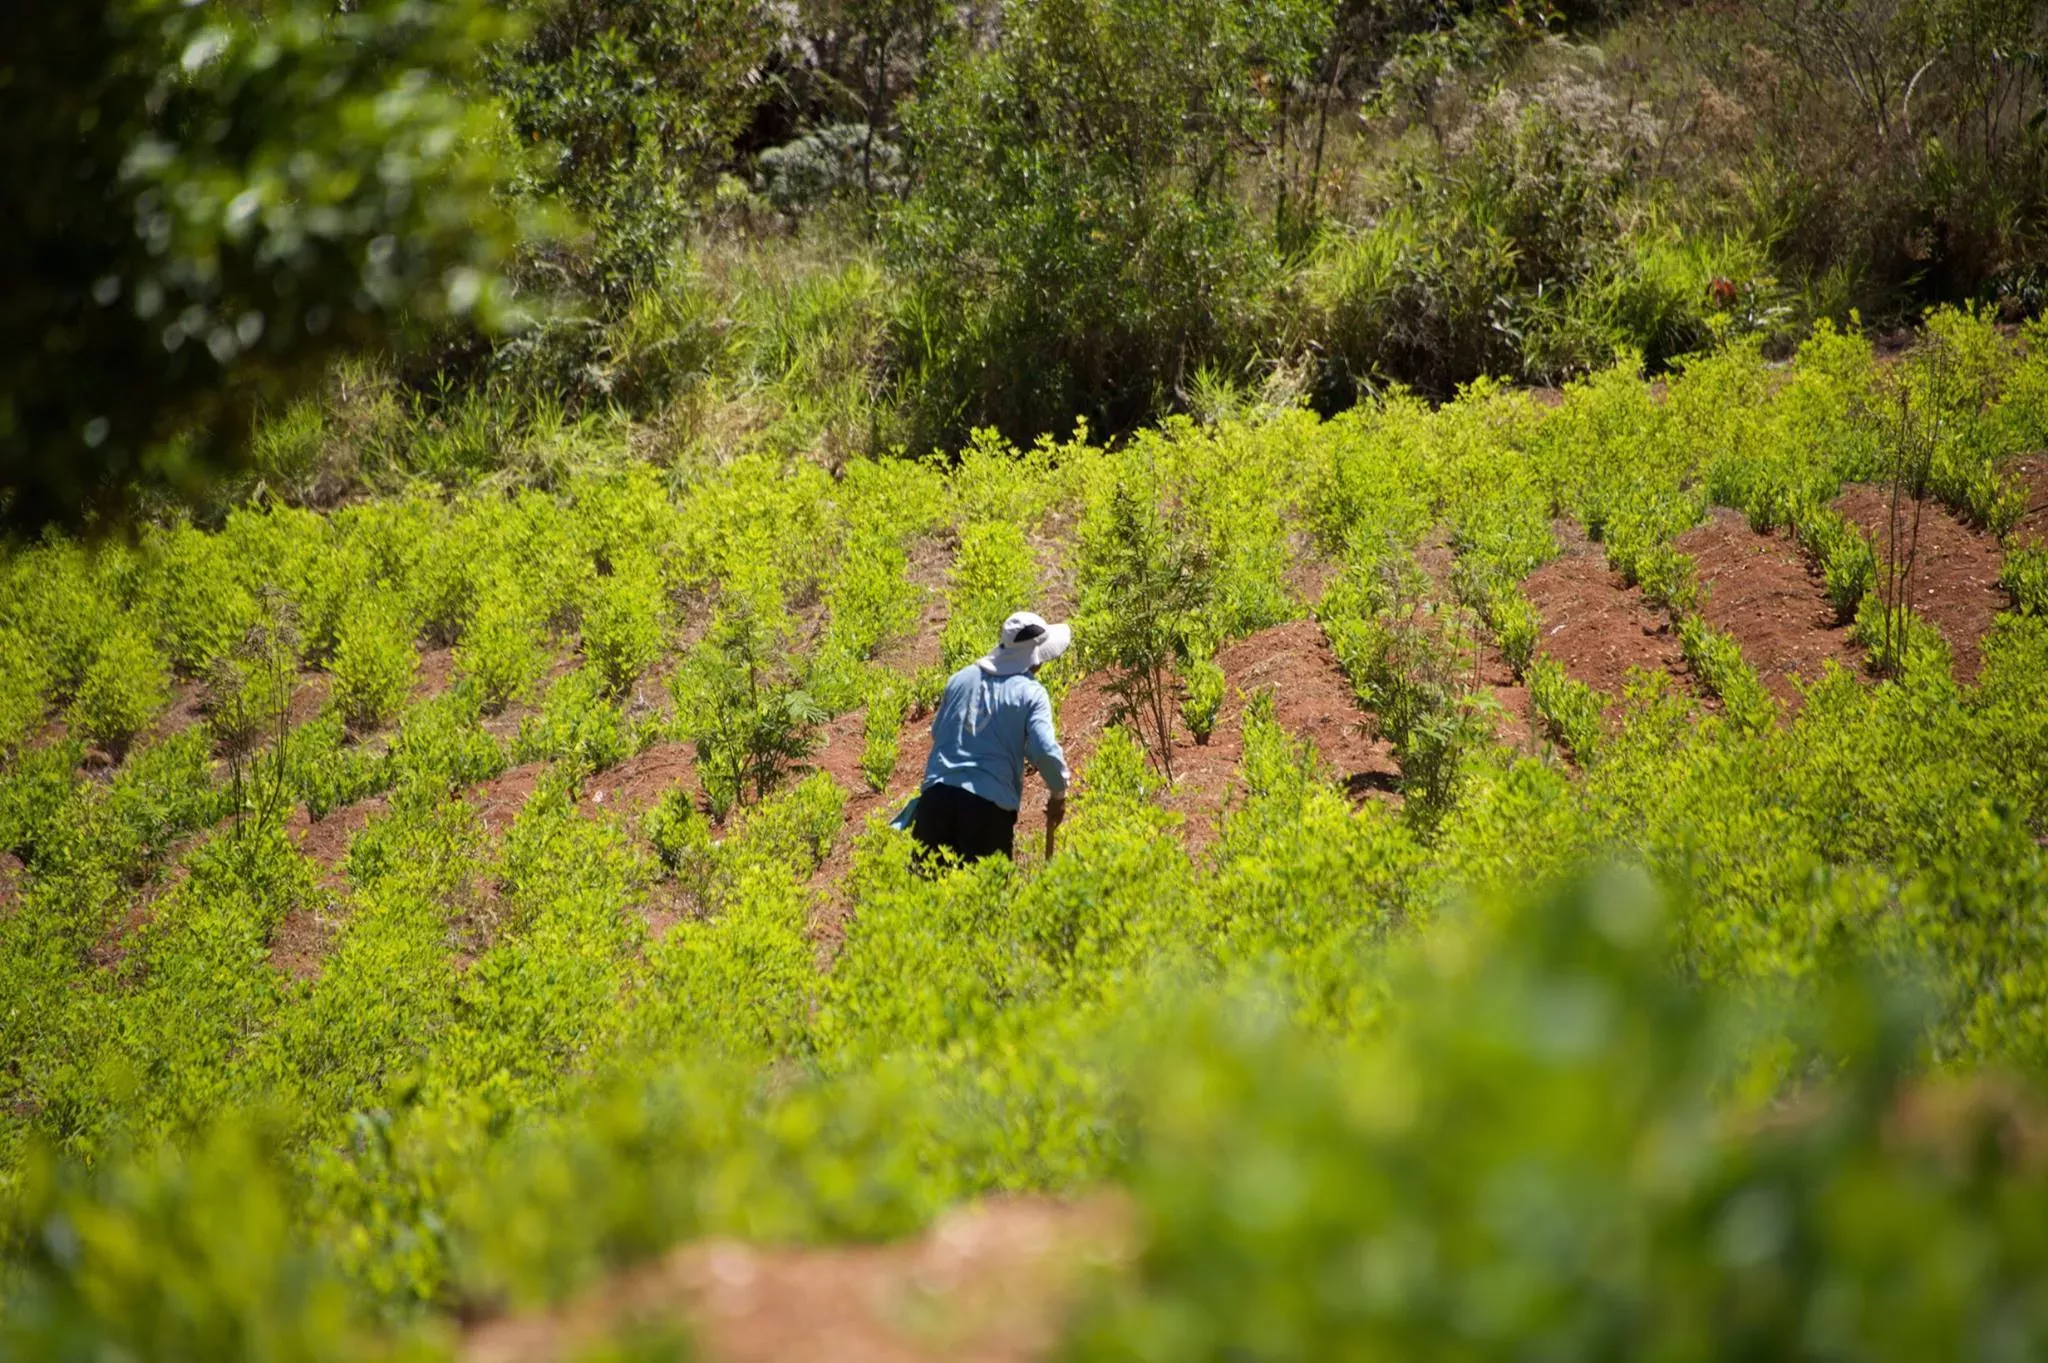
(1763, 592)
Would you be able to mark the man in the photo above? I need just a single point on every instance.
(994, 717)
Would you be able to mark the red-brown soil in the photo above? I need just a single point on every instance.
(310, 697)
(498, 801)
(306, 932)
(1309, 573)
(188, 699)
(1762, 591)
(632, 787)
(184, 711)
(1514, 725)
(839, 754)
(299, 943)
(325, 841)
(1312, 700)
(989, 1283)
(436, 674)
(1596, 626)
(1954, 583)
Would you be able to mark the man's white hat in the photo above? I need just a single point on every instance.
(1026, 641)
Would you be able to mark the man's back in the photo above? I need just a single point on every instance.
(986, 728)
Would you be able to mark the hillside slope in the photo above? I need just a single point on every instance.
(494, 890)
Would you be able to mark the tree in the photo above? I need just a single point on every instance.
(1075, 244)
(864, 56)
(1155, 584)
(736, 704)
(204, 206)
(634, 105)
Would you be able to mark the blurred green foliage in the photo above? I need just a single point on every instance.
(205, 205)
(1557, 1149)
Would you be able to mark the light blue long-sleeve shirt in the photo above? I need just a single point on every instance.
(986, 728)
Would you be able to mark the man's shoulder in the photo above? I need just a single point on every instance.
(1018, 688)
(1025, 689)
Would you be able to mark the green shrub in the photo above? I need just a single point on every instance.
(1666, 577)
(1848, 563)
(1064, 162)
(165, 790)
(1515, 625)
(1504, 1135)
(248, 690)
(1202, 697)
(994, 575)
(1369, 488)
(25, 682)
(871, 602)
(60, 599)
(195, 599)
(639, 104)
(1406, 658)
(441, 745)
(881, 734)
(1460, 275)
(375, 661)
(2025, 578)
(193, 1252)
(285, 445)
(443, 586)
(735, 702)
(679, 833)
(327, 770)
(1899, 639)
(1573, 713)
(126, 687)
(1718, 662)
(505, 650)
(1147, 585)
(625, 629)
(37, 796)
(926, 689)
(578, 724)
(793, 832)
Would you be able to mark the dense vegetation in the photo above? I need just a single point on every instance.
(500, 1082)
(852, 226)
(663, 349)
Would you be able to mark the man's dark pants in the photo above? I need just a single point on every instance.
(967, 825)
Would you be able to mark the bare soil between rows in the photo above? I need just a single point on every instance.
(1953, 584)
(1598, 628)
(1764, 592)
(992, 1282)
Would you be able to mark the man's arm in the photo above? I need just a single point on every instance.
(1042, 747)
(1055, 812)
